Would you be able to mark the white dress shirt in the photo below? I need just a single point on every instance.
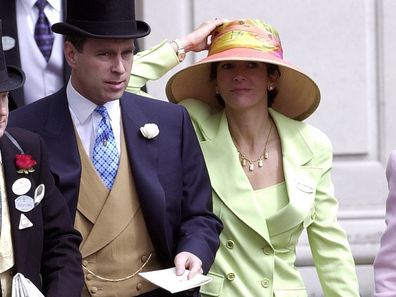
(42, 78)
(86, 120)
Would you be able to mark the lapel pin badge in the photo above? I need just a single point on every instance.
(24, 203)
(304, 187)
(21, 186)
(8, 42)
(24, 222)
(39, 194)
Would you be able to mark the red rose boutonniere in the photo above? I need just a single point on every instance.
(24, 163)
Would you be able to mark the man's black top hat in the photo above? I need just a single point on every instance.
(102, 19)
(11, 77)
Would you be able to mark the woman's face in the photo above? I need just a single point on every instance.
(242, 84)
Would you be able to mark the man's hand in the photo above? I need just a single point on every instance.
(186, 260)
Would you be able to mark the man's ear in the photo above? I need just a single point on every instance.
(70, 54)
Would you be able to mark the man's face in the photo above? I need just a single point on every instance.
(3, 112)
(101, 71)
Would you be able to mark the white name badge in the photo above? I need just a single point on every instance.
(24, 203)
(21, 186)
(8, 42)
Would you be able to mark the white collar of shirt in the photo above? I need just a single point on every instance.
(86, 120)
(52, 11)
(54, 3)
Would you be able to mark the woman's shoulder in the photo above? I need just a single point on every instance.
(205, 118)
(197, 109)
(314, 134)
(311, 134)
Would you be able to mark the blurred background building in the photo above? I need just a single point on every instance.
(348, 48)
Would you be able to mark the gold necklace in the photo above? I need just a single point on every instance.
(260, 160)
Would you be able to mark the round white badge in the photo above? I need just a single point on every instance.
(21, 186)
(8, 42)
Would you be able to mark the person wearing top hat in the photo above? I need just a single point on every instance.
(130, 168)
(247, 105)
(20, 19)
(20, 49)
(37, 238)
(45, 73)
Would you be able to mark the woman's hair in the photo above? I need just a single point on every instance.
(272, 69)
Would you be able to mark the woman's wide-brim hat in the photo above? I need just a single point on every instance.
(102, 19)
(247, 40)
(11, 77)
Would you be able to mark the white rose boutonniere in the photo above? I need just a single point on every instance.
(149, 130)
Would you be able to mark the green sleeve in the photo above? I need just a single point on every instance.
(328, 241)
(151, 64)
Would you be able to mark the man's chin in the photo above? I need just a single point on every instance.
(114, 95)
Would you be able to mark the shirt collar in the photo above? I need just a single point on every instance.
(55, 4)
(28, 4)
(83, 108)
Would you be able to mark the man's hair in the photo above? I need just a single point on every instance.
(76, 40)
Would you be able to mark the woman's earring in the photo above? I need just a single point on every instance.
(217, 91)
(270, 88)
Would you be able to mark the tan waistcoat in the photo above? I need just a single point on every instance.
(116, 243)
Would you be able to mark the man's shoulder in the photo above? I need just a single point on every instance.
(36, 111)
(23, 137)
(149, 103)
(21, 133)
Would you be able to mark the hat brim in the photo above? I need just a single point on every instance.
(16, 79)
(298, 95)
(142, 29)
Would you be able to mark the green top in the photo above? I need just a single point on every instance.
(271, 199)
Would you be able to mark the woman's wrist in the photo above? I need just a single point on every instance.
(179, 48)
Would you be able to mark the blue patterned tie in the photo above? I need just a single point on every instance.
(42, 32)
(105, 155)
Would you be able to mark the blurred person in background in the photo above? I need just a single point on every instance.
(385, 260)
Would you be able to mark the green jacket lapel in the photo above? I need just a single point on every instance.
(300, 177)
(226, 174)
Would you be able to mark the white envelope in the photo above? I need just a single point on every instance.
(167, 279)
(23, 287)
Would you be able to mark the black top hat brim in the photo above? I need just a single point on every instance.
(104, 30)
(16, 79)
